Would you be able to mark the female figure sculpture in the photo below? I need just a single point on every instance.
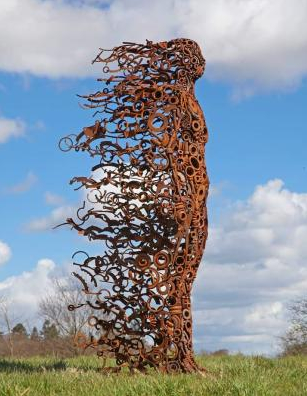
(148, 204)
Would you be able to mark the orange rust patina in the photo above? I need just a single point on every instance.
(146, 201)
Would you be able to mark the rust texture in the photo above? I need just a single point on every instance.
(146, 200)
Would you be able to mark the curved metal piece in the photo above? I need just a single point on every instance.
(146, 201)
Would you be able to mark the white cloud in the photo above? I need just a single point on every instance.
(217, 189)
(53, 199)
(5, 252)
(25, 290)
(253, 44)
(273, 218)
(10, 127)
(56, 217)
(23, 186)
(254, 265)
(62, 212)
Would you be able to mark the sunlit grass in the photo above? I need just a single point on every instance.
(229, 375)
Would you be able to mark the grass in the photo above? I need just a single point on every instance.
(230, 375)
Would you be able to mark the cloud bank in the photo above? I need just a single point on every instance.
(25, 290)
(254, 44)
(255, 263)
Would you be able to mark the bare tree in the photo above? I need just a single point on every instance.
(8, 321)
(295, 339)
(54, 306)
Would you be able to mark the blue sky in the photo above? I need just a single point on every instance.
(256, 155)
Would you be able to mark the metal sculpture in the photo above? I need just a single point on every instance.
(147, 202)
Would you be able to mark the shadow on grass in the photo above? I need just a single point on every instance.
(10, 366)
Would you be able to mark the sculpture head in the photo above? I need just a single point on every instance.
(186, 53)
(177, 59)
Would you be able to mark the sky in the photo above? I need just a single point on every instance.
(253, 95)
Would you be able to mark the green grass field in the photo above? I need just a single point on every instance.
(229, 375)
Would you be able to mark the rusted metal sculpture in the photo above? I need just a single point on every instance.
(146, 201)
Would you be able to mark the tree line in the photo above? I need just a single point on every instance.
(59, 327)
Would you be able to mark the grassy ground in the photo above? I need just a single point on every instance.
(230, 375)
